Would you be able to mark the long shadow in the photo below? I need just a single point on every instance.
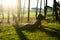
(55, 33)
(30, 28)
(20, 33)
(56, 30)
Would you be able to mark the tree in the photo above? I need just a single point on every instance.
(39, 18)
(1, 9)
(29, 10)
(55, 10)
(2, 16)
(19, 10)
(8, 16)
(37, 8)
(45, 8)
(58, 4)
(24, 9)
(59, 16)
(13, 15)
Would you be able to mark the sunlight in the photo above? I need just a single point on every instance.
(9, 3)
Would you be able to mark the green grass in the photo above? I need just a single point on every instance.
(39, 35)
(8, 32)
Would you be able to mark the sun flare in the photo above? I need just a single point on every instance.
(9, 3)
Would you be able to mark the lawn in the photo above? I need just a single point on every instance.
(49, 31)
(7, 32)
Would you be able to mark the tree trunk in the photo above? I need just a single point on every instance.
(19, 10)
(39, 18)
(45, 8)
(2, 16)
(1, 10)
(59, 16)
(13, 16)
(40, 12)
(23, 9)
(8, 17)
(37, 8)
(28, 10)
(53, 12)
(55, 8)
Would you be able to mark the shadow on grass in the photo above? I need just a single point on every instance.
(34, 27)
(54, 29)
(20, 33)
(29, 28)
(52, 32)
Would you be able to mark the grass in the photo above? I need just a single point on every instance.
(8, 32)
(39, 35)
(50, 31)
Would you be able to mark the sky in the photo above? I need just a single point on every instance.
(13, 3)
(34, 2)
